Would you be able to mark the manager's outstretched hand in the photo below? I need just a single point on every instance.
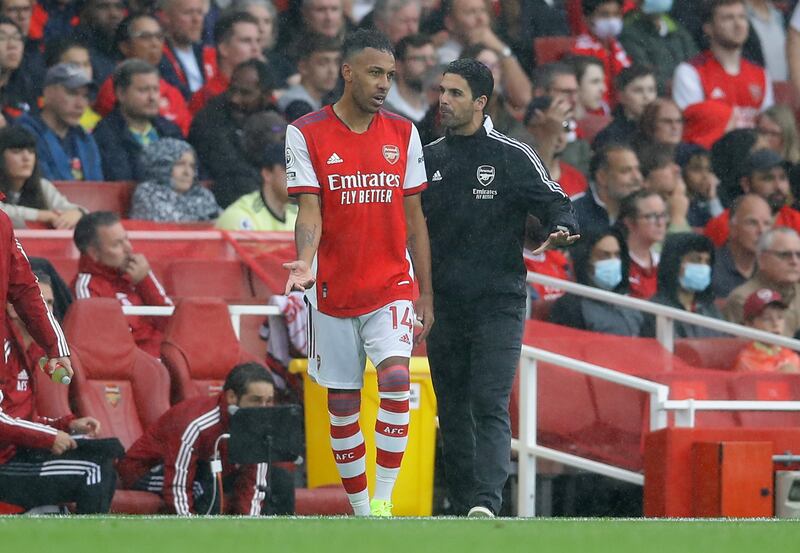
(557, 239)
(300, 277)
(423, 309)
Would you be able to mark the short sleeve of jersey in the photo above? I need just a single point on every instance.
(687, 88)
(416, 179)
(794, 22)
(300, 175)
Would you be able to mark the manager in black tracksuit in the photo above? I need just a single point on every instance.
(481, 187)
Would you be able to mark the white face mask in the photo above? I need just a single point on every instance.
(607, 27)
(232, 408)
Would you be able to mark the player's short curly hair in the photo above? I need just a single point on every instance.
(363, 39)
(478, 76)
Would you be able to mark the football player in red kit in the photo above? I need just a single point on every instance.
(358, 173)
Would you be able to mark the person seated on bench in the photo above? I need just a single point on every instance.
(173, 458)
(109, 268)
(765, 310)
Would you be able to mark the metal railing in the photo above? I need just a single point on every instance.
(665, 316)
(236, 312)
(529, 449)
(684, 411)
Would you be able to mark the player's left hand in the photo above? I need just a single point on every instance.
(557, 239)
(423, 310)
(86, 425)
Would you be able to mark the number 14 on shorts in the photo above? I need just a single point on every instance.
(406, 319)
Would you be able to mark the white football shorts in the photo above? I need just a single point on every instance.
(338, 347)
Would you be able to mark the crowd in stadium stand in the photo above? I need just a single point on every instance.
(671, 124)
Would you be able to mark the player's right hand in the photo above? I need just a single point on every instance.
(300, 277)
(63, 443)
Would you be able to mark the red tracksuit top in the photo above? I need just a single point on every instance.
(19, 287)
(179, 439)
(98, 281)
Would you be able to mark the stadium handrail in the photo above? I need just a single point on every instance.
(529, 449)
(236, 312)
(664, 315)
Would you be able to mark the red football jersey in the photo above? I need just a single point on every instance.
(362, 179)
(703, 78)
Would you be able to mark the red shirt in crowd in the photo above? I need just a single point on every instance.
(551, 263)
(718, 228)
(572, 181)
(362, 180)
(643, 281)
(179, 439)
(99, 281)
(703, 78)
(215, 86)
(614, 58)
(171, 106)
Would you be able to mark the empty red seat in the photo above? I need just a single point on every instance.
(701, 385)
(200, 348)
(218, 278)
(710, 353)
(115, 382)
(766, 387)
(99, 196)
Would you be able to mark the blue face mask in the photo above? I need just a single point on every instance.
(656, 6)
(607, 273)
(696, 277)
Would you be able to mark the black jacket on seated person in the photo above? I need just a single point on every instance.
(119, 149)
(217, 139)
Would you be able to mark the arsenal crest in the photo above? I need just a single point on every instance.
(485, 175)
(112, 394)
(391, 153)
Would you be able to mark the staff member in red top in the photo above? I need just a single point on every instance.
(721, 73)
(109, 268)
(172, 458)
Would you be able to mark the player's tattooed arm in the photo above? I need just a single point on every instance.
(307, 233)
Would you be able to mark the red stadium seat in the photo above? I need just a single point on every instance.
(200, 348)
(99, 196)
(221, 278)
(547, 49)
(710, 353)
(766, 387)
(701, 384)
(115, 382)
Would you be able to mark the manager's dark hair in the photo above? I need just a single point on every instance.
(128, 69)
(241, 376)
(363, 39)
(86, 230)
(478, 76)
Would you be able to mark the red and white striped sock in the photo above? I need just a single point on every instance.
(347, 443)
(391, 428)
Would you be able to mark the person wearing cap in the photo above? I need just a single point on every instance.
(135, 121)
(764, 174)
(66, 152)
(268, 208)
(765, 310)
(778, 261)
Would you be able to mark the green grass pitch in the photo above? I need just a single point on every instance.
(347, 535)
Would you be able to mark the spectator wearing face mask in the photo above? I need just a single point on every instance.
(600, 261)
(604, 21)
(684, 282)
